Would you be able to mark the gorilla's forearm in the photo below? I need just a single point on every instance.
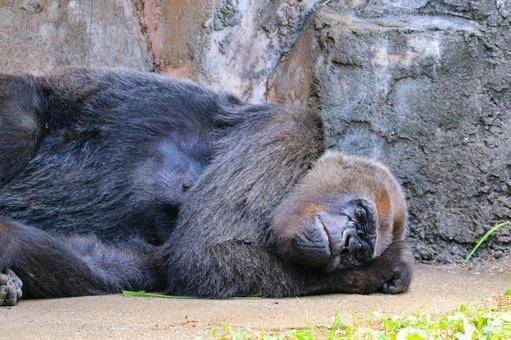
(389, 273)
(234, 268)
(229, 269)
(113, 96)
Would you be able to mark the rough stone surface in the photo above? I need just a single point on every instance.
(174, 33)
(426, 88)
(39, 35)
(424, 85)
(246, 40)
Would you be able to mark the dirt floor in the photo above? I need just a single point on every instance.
(434, 290)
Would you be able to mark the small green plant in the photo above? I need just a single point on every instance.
(492, 230)
(470, 323)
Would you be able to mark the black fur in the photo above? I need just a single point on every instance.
(116, 151)
(138, 160)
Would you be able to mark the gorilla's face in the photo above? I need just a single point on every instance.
(343, 235)
(342, 214)
(337, 234)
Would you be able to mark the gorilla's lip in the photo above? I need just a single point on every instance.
(326, 233)
(335, 259)
(330, 239)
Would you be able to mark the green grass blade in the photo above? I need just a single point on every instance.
(485, 237)
(508, 292)
(144, 294)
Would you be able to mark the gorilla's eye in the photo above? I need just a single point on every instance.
(360, 215)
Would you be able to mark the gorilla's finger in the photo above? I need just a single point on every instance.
(4, 278)
(15, 278)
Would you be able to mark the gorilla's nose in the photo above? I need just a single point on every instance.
(342, 233)
(349, 240)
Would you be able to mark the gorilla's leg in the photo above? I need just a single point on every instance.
(50, 266)
(20, 106)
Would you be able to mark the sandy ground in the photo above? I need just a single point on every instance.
(434, 290)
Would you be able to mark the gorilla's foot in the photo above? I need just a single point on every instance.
(10, 288)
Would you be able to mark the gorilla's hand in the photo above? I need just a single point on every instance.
(389, 273)
(10, 288)
(397, 267)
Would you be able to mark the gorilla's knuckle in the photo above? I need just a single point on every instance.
(400, 281)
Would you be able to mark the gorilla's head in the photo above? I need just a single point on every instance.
(344, 212)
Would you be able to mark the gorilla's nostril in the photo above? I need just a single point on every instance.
(349, 239)
(361, 251)
(333, 264)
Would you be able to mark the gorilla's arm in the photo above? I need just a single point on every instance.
(53, 266)
(389, 273)
(108, 95)
(237, 269)
(220, 246)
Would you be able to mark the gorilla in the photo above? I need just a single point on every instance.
(115, 179)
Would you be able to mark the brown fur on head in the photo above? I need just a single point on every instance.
(317, 224)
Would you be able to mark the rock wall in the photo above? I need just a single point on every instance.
(39, 35)
(423, 85)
